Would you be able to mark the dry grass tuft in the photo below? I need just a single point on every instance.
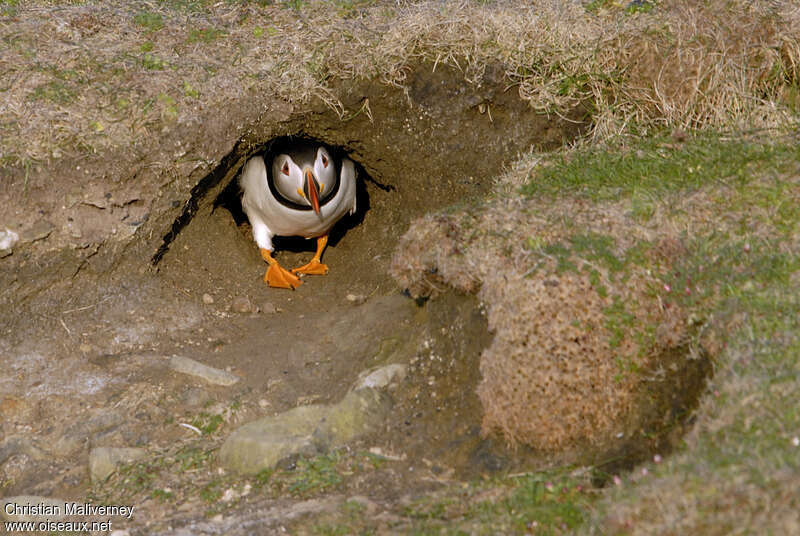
(561, 373)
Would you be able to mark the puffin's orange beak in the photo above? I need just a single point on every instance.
(312, 191)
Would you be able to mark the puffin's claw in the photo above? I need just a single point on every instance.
(314, 267)
(278, 276)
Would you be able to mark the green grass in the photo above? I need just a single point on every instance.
(55, 91)
(204, 35)
(207, 423)
(151, 21)
(8, 8)
(192, 458)
(315, 475)
(548, 502)
(151, 62)
(162, 495)
(655, 166)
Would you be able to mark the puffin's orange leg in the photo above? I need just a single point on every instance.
(315, 267)
(276, 275)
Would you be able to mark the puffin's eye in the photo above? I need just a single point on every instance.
(285, 169)
(324, 161)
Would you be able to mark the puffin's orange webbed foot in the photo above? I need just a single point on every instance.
(279, 277)
(276, 275)
(314, 267)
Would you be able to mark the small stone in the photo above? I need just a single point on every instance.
(241, 304)
(213, 375)
(356, 298)
(262, 443)
(208, 299)
(268, 308)
(381, 377)
(263, 403)
(8, 239)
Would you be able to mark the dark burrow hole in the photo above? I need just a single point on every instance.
(229, 197)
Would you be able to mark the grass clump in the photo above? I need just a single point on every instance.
(547, 502)
(659, 165)
(204, 35)
(149, 20)
(315, 475)
(55, 91)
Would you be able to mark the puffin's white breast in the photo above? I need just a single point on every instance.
(286, 221)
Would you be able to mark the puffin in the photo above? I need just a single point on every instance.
(304, 191)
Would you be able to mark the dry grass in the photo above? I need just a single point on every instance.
(88, 77)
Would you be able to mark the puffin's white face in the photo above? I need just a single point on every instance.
(305, 181)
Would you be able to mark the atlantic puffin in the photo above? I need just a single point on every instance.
(304, 192)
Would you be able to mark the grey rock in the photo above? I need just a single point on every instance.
(309, 430)
(213, 375)
(32, 508)
(356, 299)
(104, 460)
